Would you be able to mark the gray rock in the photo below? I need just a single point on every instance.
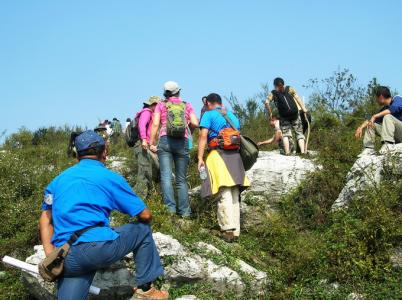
(167, 246)
(115, 282)
(187, 297)
(186, 269)
(38, 288)
(274, 174)
(396, 258)
(207, 248)
(117, 163)
(259, 279)
(367, 172)
(181, 265)
(355, 296)
(224, 278)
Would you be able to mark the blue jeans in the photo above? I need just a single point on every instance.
(174, 150)
(84, 259)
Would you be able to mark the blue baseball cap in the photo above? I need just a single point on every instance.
(88, 140)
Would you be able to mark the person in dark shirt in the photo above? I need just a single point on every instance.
(387, 123)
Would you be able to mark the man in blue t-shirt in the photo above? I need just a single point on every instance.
(83, 197)
(387, 123)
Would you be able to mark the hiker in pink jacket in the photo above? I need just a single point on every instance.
(145, 164)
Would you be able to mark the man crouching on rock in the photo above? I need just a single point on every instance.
(81, 198)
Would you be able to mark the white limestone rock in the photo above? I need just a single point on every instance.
(367, 172)
(259, 279)
(224, 277)
(186, 269)
(187, 297)
(167, 245)
(117, 163)
(181, 265)
(207, 248)
(355, 296)
(396, 258)
(273, 175)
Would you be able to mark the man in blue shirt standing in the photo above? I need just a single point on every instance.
(83, 196)
(387, 123)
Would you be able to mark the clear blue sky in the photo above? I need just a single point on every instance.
(72, 62)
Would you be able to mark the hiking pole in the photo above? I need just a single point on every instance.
(33, 270)
(308, 132)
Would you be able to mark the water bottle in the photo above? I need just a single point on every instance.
(203, 173)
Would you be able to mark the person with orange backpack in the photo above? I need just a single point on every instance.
(223, 170)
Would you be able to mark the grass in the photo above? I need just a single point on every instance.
(304, 247)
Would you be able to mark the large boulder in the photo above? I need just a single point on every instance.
(274, 174)
(366, 172)
(271, 177)
(182, 265)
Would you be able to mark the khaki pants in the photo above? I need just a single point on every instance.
(229, 209)
(390, 130)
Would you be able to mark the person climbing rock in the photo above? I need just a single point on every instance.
(145, 161)
(80, 200)
(289, 106)
(224, 167)
(387, 123)
(173, 117)
(277, 137)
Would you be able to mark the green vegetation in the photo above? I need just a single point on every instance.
(304, 247)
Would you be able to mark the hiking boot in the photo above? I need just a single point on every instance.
(151, 294)
(228, 236)
(367, 151)
(387, 148)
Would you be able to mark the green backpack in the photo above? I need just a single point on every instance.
(176, 119)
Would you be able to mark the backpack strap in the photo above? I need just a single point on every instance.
(228, 120)
(75, 236)
(293, 97)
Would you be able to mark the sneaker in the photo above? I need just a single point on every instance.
(387, 148)
(151, 294)
(367, 151)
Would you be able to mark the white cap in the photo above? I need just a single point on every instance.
(172, 87)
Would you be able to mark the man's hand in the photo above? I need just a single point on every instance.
(145, 216)
(359, 133)
(144, 144)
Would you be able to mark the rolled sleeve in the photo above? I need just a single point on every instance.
(47, 198)
(124, 199)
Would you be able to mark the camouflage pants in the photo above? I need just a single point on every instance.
(287, 127)
(145, 171)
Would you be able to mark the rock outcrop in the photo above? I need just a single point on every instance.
(182, 265)
(367, 172)
(275, 174)
(272, 176)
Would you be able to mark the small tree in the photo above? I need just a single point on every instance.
(336, 94)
